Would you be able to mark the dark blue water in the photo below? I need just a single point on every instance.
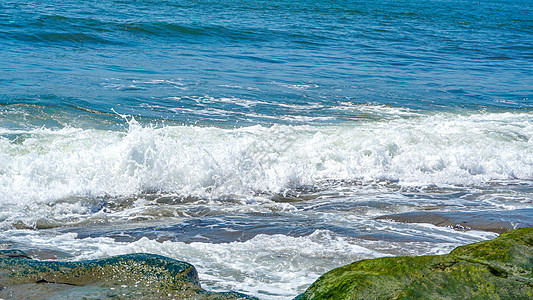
(260, 140)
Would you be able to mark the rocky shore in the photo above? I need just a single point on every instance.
(497, 269)
(133, 276)
(501, 268)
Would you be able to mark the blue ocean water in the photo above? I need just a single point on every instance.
(167, 59)
(260, 139)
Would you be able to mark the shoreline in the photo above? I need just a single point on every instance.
(132, 275)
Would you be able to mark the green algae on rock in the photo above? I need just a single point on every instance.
(497, 269)
(139, 276)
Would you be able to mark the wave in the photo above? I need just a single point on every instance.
(61, 29)
(58, 38)
(44, 165)
(122, 30)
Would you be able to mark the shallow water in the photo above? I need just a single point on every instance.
(259, 140)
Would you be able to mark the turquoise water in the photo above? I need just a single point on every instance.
(258, 140)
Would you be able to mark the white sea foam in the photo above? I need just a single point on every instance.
(269, 266)
(375, 111)
(44, 165)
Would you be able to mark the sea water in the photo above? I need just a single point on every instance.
(259, 140)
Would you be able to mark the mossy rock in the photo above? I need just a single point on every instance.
(133, 276)
(497, 269)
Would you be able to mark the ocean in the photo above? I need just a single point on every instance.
(260, 140)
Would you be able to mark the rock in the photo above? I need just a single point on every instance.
(132, 276)
(497, 269)
(36, 252)
(494, 221)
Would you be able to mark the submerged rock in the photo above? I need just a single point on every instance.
(138, 276)
(495, 221)
(497, 269)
